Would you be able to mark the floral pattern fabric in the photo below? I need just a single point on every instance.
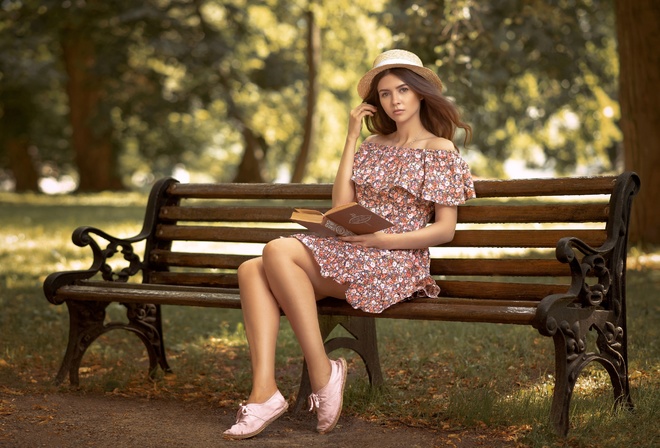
(402, 185)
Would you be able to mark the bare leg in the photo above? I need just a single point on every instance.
(296, 283)
(261, 315)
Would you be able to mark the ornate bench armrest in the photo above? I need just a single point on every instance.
(597, 274)
(594, 264)
(91, 236)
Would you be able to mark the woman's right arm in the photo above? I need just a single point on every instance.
(343, 190)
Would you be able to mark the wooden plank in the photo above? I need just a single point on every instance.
(480, 214)
(440, 310)
(513, 312)
(531, 238)
(197, 260)
(535, 267)
(565, 186)
(217, 234)
(499, 290)
(546, 213)
(251, 191)
(523, 238)
(222, 280)
(484, 188)
(227, 214)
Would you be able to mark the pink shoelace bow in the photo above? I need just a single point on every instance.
(314, 402)
(242, 411)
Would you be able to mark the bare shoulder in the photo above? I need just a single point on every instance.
(377, 139)
(439, 143)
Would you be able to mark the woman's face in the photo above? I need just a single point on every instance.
(398, 100)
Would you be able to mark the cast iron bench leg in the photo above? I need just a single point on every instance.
(85, 325)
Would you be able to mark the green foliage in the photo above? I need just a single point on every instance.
(530, 76)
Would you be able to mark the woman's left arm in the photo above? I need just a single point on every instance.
(441, 231)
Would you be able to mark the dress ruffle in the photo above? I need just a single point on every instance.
(438, 176)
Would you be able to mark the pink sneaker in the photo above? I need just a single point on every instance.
(328, 401)
(253, 418)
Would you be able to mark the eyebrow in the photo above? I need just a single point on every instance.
(397, 87)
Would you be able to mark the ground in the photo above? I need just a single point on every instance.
(74, 419)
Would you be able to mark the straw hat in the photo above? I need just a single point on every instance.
(393, 59)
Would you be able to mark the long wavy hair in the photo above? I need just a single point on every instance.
(439, 115)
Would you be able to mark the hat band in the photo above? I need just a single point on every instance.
(395, 61)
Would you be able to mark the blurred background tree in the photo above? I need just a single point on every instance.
(111, 95)
(537, 78)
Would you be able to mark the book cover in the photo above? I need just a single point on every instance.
(345, 220)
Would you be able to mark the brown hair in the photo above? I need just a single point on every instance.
(439, 115)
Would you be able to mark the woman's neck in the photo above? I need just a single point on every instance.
(408, 137)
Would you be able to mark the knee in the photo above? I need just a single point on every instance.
(249, 270)
(279, 251)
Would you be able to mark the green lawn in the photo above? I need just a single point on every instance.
(448, 375)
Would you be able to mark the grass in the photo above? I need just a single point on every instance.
(448, 375)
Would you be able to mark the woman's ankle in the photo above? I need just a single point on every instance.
(261, 395)
(321, 378)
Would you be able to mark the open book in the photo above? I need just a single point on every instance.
(345, 220)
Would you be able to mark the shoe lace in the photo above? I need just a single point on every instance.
(242, 411)
(314, 402)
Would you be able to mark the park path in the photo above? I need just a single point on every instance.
(68, 420)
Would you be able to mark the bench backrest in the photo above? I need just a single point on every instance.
(504, 247)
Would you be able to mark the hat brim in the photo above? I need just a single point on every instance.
(365, 82)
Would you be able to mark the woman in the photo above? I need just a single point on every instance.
(409, 172)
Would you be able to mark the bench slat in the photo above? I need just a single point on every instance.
(509, 267)
(498, 290)
(484, 188)
(523, 238)
(251, 191)
(486, 290)
(222, 280)
(459, 310)
(463, 238)
(198, 260)
(567, 186)
(514, 312)
(478, 214)
(227, 213)
(547, 213)
(439, 266)
(217, 234)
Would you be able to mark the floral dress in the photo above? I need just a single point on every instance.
(402, 185)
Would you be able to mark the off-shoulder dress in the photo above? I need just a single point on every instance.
(402, 185)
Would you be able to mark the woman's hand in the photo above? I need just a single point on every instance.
(343, 190)
(378, 240)
(439, 232)
(355, 120)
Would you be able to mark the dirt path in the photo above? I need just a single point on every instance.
(64, 420)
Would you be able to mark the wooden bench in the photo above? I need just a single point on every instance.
(548, 253)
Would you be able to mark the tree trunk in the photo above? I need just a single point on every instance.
(639, 56)
(22, 164)
(249, 170)
(313, 63)
(91, 126)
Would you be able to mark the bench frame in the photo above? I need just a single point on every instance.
(595, 299)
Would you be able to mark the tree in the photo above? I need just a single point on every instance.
(313, 65)
(28, 80)
(639, 55)
(531, 76)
